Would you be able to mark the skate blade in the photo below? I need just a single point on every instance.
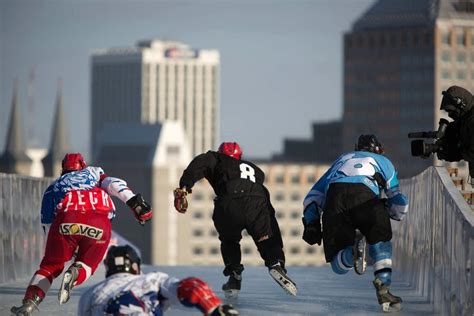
(231, 294)
(285, 284)
(360, 265)
(64, 290)
(387, 308)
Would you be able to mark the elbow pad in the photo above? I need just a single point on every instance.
(397, 206)
(118, 188)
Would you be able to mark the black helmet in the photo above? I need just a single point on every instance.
(369, 143)
(456, 101)
(121, 259)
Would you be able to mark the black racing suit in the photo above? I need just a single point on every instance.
(458, 141)
(242, 202)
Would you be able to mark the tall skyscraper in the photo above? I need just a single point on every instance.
(157, 81)
(398, 58)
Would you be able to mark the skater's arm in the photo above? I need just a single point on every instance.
(47, 209)
(200, 167)
(117, 187)
(194, 292)
(397, 202)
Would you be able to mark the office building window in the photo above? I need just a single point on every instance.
(311, 178)
(446, 56)
(197, 215)
(445, 38)
(295, 232)
(460, 57)
(311, 250)
(279, 178)
(247, 250)
(197, 233)
(295, 178)
(279, 196)
(446, 74)
(295, 197)
(280, 215)
(197, 251)
(295, 214)
(295, 250)
(213, 232)
(461, 75)
(460, 39)
(214, 251)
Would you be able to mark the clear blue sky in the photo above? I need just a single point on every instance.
(281, 61)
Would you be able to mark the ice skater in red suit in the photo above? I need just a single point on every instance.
(76, 211)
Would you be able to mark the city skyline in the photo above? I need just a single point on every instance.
(277, 57)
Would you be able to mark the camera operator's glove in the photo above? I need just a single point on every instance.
(141, 210)
(312, 233)
(180, 200)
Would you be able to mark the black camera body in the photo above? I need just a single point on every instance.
(420, 148)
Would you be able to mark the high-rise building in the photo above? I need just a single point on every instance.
(398, 58)
(324, 146)
(157, 81)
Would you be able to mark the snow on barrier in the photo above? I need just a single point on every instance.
(434, 245)
(22, 239)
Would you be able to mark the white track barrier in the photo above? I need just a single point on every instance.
(434, 245)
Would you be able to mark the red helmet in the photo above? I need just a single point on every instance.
(73, 162)
(230, 149)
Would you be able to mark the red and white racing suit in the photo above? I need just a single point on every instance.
(81, 221)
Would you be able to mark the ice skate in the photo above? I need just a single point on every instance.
(26, 308)
(279, 275)
(69, 278)
(360, 264)
(224, 310)
(232, 287)
(388, 301)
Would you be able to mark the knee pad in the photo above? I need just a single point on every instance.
(343, 262)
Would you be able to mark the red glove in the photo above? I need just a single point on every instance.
(180, 201)
(194, 292)
(141, 210)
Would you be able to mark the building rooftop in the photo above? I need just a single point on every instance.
(412, 13)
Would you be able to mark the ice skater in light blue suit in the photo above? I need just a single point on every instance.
(348, 197)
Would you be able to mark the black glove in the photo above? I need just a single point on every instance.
(141, 210)
(312, 233)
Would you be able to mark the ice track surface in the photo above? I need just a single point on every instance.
(320, 292)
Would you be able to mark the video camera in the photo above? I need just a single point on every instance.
(419, 148)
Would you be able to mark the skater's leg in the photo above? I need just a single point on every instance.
(263, 227)
(91, 249)
(343, 262)
(59, 249)
(381, 253)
